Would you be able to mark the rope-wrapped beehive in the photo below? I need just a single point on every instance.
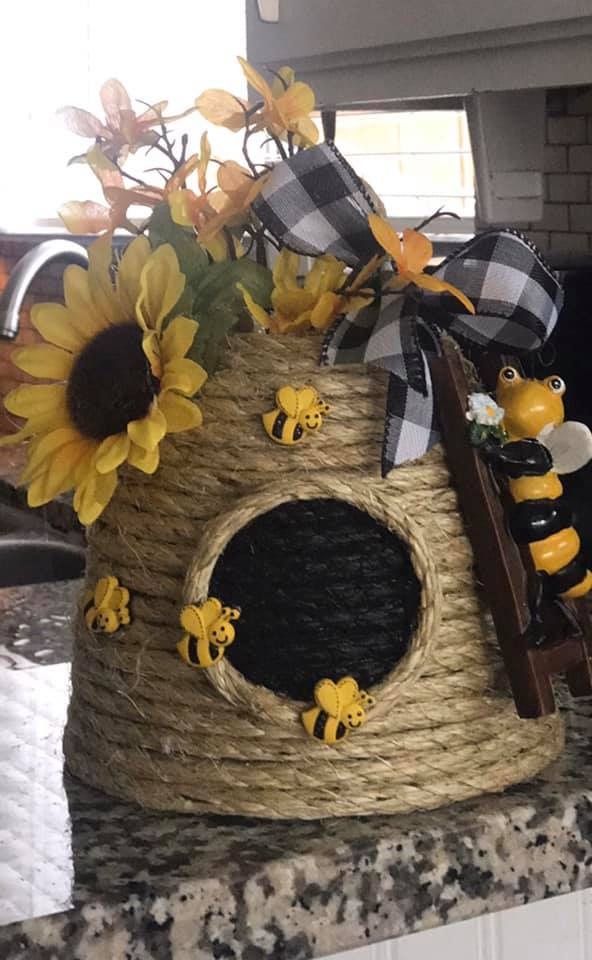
(344, 569)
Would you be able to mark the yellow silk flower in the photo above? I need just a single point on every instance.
(287, 105)
(120, 377)
(316, 303)
(410, 257)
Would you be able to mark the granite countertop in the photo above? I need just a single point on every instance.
(83, 876)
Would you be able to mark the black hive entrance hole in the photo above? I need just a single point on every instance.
(325, 591)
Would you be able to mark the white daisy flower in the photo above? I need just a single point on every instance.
(484, 410)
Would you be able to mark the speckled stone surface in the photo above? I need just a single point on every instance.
(35, 623)
(83, 877)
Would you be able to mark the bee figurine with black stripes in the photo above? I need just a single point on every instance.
(208, 632)
(106, 609)
(298, 412)
(340, 707)
(541, 446)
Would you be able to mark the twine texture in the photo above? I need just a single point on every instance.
(146, 727)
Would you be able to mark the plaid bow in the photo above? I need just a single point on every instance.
(314, 203)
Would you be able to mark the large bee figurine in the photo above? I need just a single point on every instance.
(208, 631)
(541, 446)
(297, 413)
(106, 609)
(340, 707)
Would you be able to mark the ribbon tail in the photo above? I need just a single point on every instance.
(411, 422)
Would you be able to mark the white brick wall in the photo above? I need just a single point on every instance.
(566, 226)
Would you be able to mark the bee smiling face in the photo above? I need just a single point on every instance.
(353, 716)
(311, 420)
(529, 405)
(222, 633)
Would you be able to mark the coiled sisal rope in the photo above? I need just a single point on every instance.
(144, 726)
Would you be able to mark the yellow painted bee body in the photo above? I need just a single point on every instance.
(106, 609)
(340, 707)
(298, 413)
(208, 632)
(540, 446)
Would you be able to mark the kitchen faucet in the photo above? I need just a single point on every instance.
(25, 271)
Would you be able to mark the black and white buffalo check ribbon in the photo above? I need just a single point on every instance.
(314, 203)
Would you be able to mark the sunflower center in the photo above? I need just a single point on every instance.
(111, 383)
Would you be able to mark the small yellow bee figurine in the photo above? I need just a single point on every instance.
(340, 707)
(297, 413)
(208, 631)
(107, 609)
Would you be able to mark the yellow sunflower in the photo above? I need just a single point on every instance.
(120, 381)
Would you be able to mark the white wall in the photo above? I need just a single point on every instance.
(555, 929)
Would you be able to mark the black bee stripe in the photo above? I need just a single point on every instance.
(569, 576)
(278, 425)
(522, 458)
(298, 431)
(319, 727)
(192, 649)
(534, 520)
(214, 651)
(341, 731)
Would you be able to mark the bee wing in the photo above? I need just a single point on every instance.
(348, 691)
(103, 590)
(210, 610)
(119, 598)
(307, 396)
(570, 445)
(287, 400)
(327, 697)
(192, 620)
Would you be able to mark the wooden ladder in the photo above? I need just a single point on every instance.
(505, 571)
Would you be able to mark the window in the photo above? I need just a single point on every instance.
(416, 161)
(60, 53)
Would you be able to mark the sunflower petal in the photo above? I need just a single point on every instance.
(387, 238)
(93, 496)
(161, 285)
(80, 302)
(112, 453)
(46, 447)
(100, 258)
(43, 361)
(418, 250)
(130, 267)
(149, 430)
(54, 322)
(56, 475)
(151, 348)
(178, 338)
(31, 400)
(181, 414)
(183, 375)
(145, 460)
(441, 286)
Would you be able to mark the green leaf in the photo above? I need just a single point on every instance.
(218, 306)
(163, 229)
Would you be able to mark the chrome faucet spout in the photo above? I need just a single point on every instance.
(25, 271)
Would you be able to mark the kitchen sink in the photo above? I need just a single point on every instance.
(25, 560)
